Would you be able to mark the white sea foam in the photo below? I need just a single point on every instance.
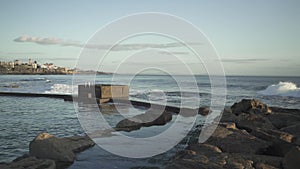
(63, 89)
(282, 89)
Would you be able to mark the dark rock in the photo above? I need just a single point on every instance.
(250, 106)
(228, 116)
(61, 150)
(235, 161)
(204, 111)
(292, 159)
(294, 129)
(147, 119)
(29, 162)
(144, 167)
(237, 141)
(264, 166)
(198, 156)
(250, 122)
(281, 120)
(278, 148)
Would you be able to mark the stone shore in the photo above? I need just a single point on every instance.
(250, 135)
(49, 152)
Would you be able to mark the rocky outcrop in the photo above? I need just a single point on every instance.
(250, 106)
(29, 162)
(150, 118)
(49, 152)
(61, 150)
(249, 135)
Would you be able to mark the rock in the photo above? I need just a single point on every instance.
(278, 148)
(147, 119)
(29, 162)
(235, 161)
(281, 120)
(272, 135)
(198, 156)
(228, 116)
(250, 106)
(250, 122)
(61, 150)
(265, 161)
(264, 166)
(204, 111)
(294, 129)
(228, 125)
(292, 159)
(236, 141)
(144, 167)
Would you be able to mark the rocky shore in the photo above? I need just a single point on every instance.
(49, 152)
(249, 135)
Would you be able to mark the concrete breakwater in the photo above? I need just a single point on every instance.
(67, 97)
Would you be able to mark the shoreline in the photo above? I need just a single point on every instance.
(250, 135)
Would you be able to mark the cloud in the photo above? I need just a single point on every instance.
(173, 53)
(121, 47)
(23, 53)
(243, 60)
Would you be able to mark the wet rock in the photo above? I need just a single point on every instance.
(292, 159)
(147, 119)
(250, 106)
(29, 162)
(204, 111)
(61, 150)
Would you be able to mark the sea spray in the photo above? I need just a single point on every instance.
(282, 89)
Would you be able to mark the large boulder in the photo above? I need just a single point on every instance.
(61, 150)
(292, 159)
(147, 119)
(282, 120)
(250, 106)
(29, 162)
(237, 141)
(250, 122)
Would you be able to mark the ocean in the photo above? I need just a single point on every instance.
(23, 118)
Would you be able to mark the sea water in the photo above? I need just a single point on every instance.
(23, 118)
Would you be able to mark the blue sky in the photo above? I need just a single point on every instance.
(252, 37)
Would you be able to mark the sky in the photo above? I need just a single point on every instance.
(251, 37)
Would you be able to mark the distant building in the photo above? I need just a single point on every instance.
(17, 62)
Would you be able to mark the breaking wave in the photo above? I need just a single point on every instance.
(282, 89)
(63, 89)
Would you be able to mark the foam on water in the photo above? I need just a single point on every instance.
(63, 89)
(282, 89)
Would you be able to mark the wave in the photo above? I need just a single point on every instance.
(63, 89)
(35, 79)
(281, 89)
(157, 94)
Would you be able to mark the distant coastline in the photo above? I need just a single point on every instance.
(31, 67)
